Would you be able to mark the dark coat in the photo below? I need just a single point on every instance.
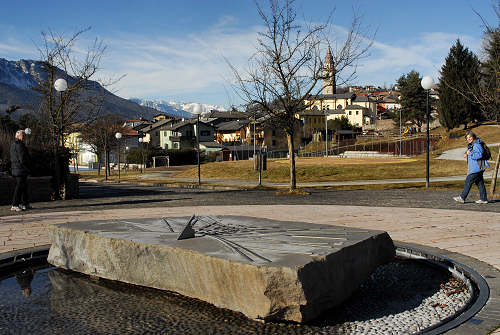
(20, 159)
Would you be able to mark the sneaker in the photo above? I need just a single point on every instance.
(16, 208)
(26, 207)
(481, 201)
(459, 199)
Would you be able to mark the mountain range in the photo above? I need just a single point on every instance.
(179, 109)
(17, 78)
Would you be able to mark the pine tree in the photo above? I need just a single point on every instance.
(459, 74)
(413, 98)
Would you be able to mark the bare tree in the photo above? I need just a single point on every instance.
(488, 94)
(83, 98)
(100, 135)
(286, 73)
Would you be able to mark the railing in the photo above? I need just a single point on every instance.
(410, 146)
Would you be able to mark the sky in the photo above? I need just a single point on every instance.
(176, 50)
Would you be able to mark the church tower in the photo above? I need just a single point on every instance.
(329, 83)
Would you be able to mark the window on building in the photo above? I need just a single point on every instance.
(339, 106)
(357, 112)
(176, 145)
(274, 132)
(274, 142)
(157, 133)
(350, 112)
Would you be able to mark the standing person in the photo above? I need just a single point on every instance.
(20, 164)
(476, 165)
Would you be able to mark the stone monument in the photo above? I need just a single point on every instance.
(265, 269)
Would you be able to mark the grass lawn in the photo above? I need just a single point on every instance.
(323, 169)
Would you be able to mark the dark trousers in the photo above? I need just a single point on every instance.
(21, 191)
(474, 178)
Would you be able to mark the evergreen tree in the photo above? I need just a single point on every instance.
(460, 71)
(413, 98)
(340, 124)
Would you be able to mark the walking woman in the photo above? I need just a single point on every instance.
(477, 165)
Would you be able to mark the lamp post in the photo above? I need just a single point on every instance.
(326, 134)
(125, 167)
(61, 85)
(427, 83)
(254, 121)
(400, 134)
(142, 152)
(118, 136)
(197, 110)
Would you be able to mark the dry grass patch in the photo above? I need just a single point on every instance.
(323, 169)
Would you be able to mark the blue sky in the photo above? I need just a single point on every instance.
(174, 50)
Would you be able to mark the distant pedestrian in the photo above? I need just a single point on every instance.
(20, 165)
(476, 166)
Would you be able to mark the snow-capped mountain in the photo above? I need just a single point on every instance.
(17, 78)
(179, 109)
(22, 74)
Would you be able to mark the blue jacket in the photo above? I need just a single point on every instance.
(474, 159)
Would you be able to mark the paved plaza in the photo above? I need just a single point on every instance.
(425, 217)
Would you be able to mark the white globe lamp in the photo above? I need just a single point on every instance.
(60, 85)
(427, 82)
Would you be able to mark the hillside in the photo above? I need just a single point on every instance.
(18, 78)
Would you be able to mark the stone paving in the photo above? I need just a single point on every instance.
(469, 229)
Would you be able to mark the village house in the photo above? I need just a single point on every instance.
(182, 135)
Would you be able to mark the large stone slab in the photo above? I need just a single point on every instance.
(266, 269)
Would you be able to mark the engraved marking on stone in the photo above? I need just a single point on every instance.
(320, 237)
(188, 231)
(242, 247)
(131, 225)
(215, 228)
(224, 241)
(168, 225)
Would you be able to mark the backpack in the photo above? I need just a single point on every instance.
(486, 152)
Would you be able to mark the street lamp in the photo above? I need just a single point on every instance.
(125, 167)
(326, 134)
(400, 134)
(118, 136)
(427, 83)
(197, 110)
(142, 151)
(61, 85)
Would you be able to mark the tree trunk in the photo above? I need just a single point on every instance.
(99, 163)
(291, 154)
(58, 175)
(108, 166)
(495, 174)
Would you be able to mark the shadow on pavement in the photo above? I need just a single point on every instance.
(114, 204)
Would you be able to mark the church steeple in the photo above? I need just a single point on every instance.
(329, 84)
